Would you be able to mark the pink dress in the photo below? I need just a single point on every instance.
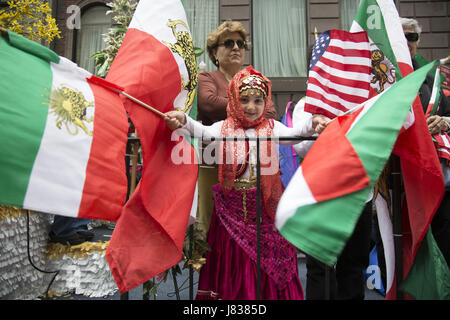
(230, 271)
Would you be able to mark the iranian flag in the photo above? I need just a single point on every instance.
(421, 172)
(435, 94)
(321, 205)
(62, 137)
(156, 64)
(441, 139)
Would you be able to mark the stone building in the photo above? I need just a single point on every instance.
(280, 31)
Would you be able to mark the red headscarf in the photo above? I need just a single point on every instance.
(234, 154)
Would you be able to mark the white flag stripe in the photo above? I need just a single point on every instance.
(395, 32)
(343, 74)
(356, 27)
(359, 61)
(367, 106)
(443, 150)
(446, 142)
(330, 97)
(435, 88)
(169, 10)
(297, 194)
(325, 106)
(342, 88)
(348, 44)
(385, 225)
(56, 156)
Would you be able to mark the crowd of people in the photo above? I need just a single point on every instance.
(235, 101)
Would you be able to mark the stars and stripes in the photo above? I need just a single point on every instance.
(339, 73)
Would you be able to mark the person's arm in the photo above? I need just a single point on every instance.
(210, 102)
(179, 120)
(280, 130)
(303, 147)
(307, 128)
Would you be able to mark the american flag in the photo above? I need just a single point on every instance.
(339, 73)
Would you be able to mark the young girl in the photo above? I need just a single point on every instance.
(230, 271)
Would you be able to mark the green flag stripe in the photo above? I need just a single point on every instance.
(384, 122)
(32, 47)
(320, 230)
(24, 113)
(429, 277)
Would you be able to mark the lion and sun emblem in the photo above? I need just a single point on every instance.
(185, 48)
(383, 71)
(70, 109)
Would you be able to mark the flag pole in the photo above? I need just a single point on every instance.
(258, 222)
(113, 87)
(142, 103)
(134, 164)
(397, 222)
(316, 33)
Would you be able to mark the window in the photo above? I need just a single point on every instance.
(94, 23)
(348, 12)
(203, 17)
(279, 37)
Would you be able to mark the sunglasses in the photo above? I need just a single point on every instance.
(412, 36)
(229, 44)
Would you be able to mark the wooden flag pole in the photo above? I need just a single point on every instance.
(111, 86)
(134, 165)
(142, 103)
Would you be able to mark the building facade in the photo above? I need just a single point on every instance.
(280, 32)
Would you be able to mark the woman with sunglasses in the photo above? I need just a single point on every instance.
(439, 123)
(226, 47)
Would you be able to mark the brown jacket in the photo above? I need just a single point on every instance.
(212, 98)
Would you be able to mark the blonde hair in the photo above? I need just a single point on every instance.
(229, 26)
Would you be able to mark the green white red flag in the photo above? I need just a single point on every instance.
(422, 175)
(155, 64)
(441, 139)
(324, 199)
(62, 137)
(435, 94)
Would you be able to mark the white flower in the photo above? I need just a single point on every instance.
(202, 65)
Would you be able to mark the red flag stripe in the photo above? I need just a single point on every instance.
(346, 67)
(358, 37)
(347, 97)
(349, 53)
(347, 173)
(442, 145)
(106, 191)
(330, 103)
(340, 80)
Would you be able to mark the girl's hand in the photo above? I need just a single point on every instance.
(320, 122)
(175, 119)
